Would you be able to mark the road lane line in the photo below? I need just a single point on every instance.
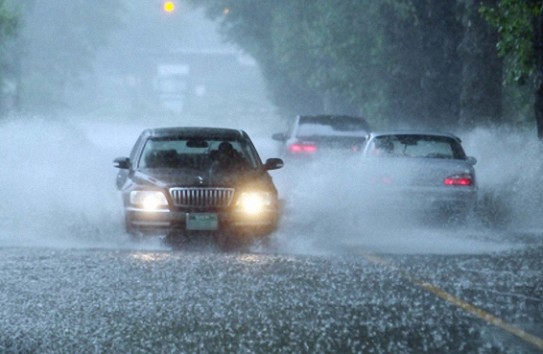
(498, 322)
(485, 316)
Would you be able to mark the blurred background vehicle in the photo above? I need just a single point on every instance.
(316, 136)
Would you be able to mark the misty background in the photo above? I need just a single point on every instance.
(402, 63)
(81, 79)
(125, 59)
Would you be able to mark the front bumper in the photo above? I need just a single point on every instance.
(161, 222)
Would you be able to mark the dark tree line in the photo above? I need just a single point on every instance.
(443, 64)
(424, 63)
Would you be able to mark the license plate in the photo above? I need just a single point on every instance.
(202, 221)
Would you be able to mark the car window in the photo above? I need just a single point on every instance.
(188, 152)
(416, 146)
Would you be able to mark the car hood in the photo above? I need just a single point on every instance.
(167, 178)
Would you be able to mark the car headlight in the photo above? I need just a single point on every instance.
(148, 199)
(254, 202)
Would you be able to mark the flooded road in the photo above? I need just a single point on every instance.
(202, 299)
(329, 281)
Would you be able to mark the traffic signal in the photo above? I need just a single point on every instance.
(168, 6)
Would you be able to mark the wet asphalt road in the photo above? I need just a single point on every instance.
(70, 284)
(203, 300)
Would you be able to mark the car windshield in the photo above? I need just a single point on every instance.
(195, 153)
(331, 126)
(410, 145)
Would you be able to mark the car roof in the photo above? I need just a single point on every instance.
(189, 132)
(329, 116)
(332, 117)
(413, 132)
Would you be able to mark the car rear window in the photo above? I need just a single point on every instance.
(427, 146)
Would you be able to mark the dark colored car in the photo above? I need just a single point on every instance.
(197, 179)
(311, 136)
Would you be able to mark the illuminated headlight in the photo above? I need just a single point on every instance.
(254, 202)
(148, 199)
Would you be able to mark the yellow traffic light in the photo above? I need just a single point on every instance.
(169, 6)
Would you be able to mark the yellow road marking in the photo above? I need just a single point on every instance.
(485, 316)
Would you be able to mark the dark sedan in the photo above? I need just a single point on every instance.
(190, 180)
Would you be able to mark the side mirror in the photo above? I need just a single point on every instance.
(279, 137)
(472, 160)
(122, 163)
(273, 164)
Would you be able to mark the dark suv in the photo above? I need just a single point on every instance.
(197, 179)
(314, 136)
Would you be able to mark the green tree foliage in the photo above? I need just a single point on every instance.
(401, 62)
(310, 56)
(514, 21)
(333, 46)
(520, 27)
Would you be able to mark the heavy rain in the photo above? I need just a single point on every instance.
(79, 86)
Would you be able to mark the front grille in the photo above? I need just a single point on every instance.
(202, 197)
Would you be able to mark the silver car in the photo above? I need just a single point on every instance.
(427, 173)
(311, 137)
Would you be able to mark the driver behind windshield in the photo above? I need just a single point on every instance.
(226, 158)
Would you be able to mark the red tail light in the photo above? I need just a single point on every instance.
(298, 148)
(459, 180)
